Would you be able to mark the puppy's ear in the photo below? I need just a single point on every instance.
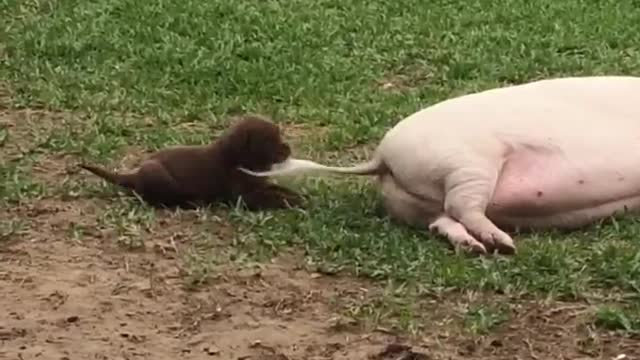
(238, 140)
(253, 144)
(243, 144)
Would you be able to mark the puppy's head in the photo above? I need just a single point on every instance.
(256, 143)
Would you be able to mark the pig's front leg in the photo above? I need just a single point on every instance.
(457, 235)
(468, 190)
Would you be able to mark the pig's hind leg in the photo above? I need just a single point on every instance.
(468, 190)
(406, 208)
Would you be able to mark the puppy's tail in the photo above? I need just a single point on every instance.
(294, 166)
(125, 180)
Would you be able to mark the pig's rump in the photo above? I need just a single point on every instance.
(574, 147)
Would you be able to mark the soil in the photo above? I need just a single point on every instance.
(71, 296)
(93, 299)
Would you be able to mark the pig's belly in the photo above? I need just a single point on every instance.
(542, 190)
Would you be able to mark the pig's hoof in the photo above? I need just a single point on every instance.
(457, 235)
(498, 241)
(507, 249)
(476, 248)
(468, 245)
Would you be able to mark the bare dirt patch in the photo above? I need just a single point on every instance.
(406, 78)
(90, 299)
(549, 330)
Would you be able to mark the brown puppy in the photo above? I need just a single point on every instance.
(192, 176)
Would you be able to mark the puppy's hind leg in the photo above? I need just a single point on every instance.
(468, 191)
(159, 188)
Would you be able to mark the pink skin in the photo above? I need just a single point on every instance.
(559, 153)
(545, 190)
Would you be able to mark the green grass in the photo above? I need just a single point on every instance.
(617, 318)
(344, 231)
(144, 73)
(483, 319)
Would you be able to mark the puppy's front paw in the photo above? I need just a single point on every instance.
(290, 198)
(295, 201)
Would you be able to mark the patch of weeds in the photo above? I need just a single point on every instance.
(207, 245)
(130, 220)
(619, 318)
(16, 185)
(198, 267)
(201, 260)
(10, 228)
(483, 319)
(77, 232)
(4, 135)
(392, 308)
(72, 188)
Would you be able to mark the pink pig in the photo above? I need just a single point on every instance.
(561, 153)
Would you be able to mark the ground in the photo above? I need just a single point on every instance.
(91, 300)
(74, 278)
(88, 272)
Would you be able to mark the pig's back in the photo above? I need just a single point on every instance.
(571, 113)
